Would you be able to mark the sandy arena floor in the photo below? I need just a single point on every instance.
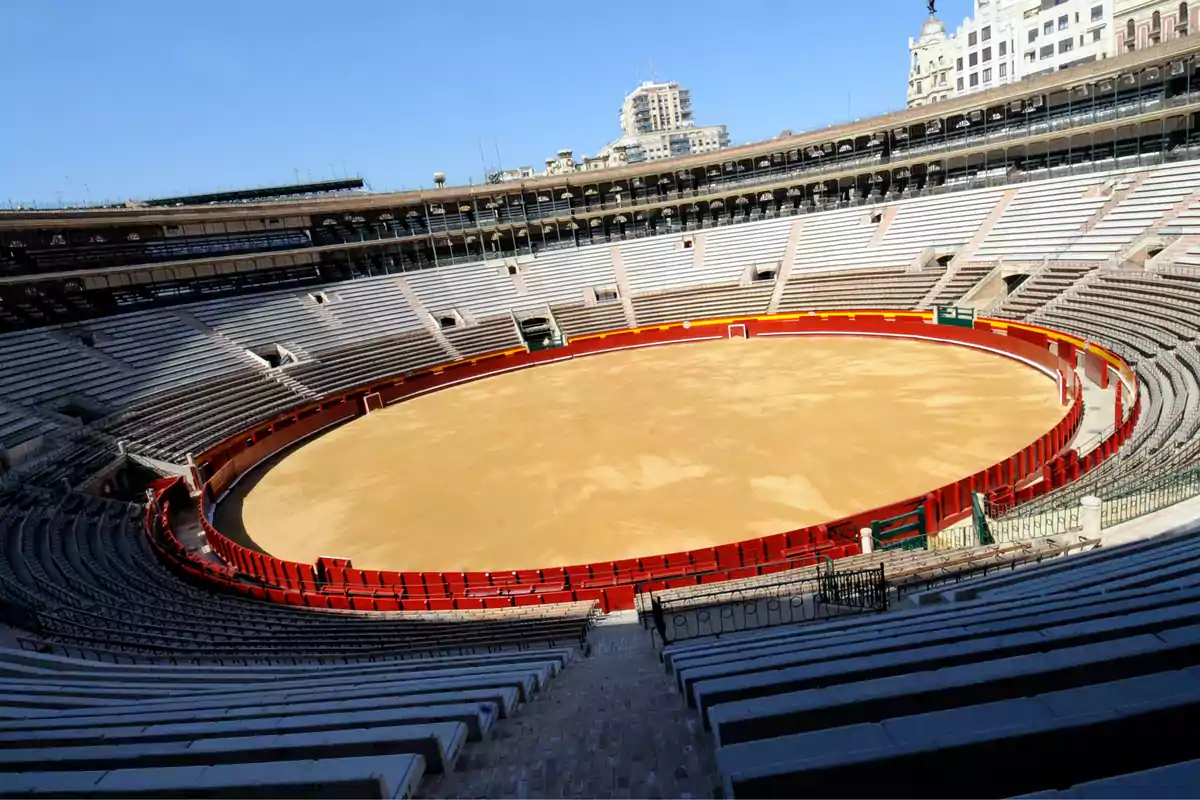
(643, 452)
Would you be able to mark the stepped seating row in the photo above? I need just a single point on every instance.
(198, 416)
(133, 682)
(961, 281)
(661, 263)
(581, 321)
(1160, 191)
(1083, 650)
(703, 303)
(1045, 218)
(163, 351)
(919, 225)
(95, 585)
(1040, 287)
(484, 337)
(18, 426)
(865, 289)
(354, 365)
(73, 728)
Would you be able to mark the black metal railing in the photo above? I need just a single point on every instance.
(727, 610)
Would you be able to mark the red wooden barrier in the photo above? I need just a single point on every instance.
(612, 582)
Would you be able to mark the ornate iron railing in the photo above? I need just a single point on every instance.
(720, 611)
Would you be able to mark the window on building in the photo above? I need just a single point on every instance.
(986, 33)
(1003, 69)
(974, 79)
(960, 84)
(1066, 45)
(987, 75)
(918, 87)
(1063, 22)
(1181, 24)
(1032, 35)
(973, 59)
(1096, 35)
(1030, 57)
(1046, 51)
(987, 54)
(971, 39)
(1097, 13)
(960, 62)
(1156, 21)
(1130, 35)
(1003, 50)
(1048, 28)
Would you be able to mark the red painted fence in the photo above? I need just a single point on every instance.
(335, 583)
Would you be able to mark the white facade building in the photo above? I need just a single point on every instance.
(655, 107)
(931, 72)
(1010, 40)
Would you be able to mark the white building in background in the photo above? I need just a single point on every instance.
(1138, 24)
(931, 68)
(1009, 40)
(656, 107)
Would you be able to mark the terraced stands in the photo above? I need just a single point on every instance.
(702, 303)
(486, 337)
(1039, 288)
(18, 426)
(188, 419)
(1139, 211)
(357, 364)
(581, 321)
(131, 681)
(873, 288)
(1073, 650)
(918, 225)
(272, 318)
(960, 283)
(662, 262)
(1046, 218)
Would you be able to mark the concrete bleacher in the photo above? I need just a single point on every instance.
(1063, 651)
(867, 289)
(130, 681)
(1045, 218)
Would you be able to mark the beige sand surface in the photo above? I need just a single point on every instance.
(643, 452)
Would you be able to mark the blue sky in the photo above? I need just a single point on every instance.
(142, 98)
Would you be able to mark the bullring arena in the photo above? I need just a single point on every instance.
(863, 462)
(644, 451)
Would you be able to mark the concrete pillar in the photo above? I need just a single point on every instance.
(1089, 516)
(867, 540)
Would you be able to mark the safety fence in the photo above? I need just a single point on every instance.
(336, 583)
(829, 594)
(1121, 502)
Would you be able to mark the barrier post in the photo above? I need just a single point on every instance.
(866, 539)
(1119, 402)
(1089, 516)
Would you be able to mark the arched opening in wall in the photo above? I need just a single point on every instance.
(271, 355)
(1011, 282)
(944, 261)
(764, 273)
(606, 295)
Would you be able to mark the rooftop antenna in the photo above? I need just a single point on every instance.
(499, 160)
(482, 160)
